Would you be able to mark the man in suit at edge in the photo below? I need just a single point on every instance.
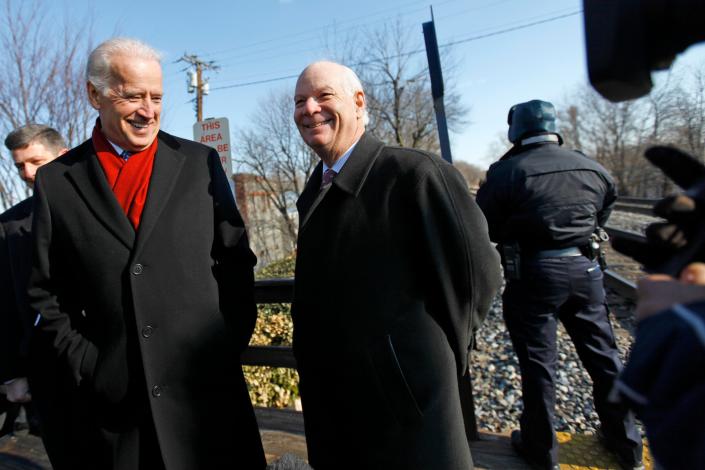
(30, 147)
(143, 279)
(394, 271)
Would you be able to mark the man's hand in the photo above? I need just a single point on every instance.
(18, 390)
(673, 244)
(659, 292)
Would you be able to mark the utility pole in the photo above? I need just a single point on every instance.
(195, 81)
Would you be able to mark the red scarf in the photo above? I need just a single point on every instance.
(129, 179)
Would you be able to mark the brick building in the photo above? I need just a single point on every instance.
(270, 235)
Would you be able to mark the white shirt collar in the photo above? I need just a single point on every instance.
(338, 165)
(117, 148)
(540, 138)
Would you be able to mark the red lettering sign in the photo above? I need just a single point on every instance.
(210, 126)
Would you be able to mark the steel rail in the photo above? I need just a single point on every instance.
(614, 281)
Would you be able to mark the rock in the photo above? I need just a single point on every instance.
(497, 381)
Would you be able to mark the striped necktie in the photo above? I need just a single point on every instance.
(328, 177)
(125, 155)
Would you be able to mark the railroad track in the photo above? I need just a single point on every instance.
(615, 281)
(636, 205)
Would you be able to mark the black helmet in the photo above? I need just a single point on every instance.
(532, 117)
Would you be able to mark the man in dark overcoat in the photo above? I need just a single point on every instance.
(143, 281)
(30, 146)
(394, 271)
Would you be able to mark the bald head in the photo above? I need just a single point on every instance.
(348, 79)
(329, 109)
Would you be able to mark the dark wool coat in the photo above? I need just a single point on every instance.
(146, 327)
(16, 321)
(15, 264)
(394, 270)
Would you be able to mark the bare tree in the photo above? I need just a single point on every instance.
(497, 147)
(617, 134)
(274, 153)
(689, 115)
(391, 64)
(473, 174)
(41, 80)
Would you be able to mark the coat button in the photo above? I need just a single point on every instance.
(137, 269)
(156, 391)
(147, 331)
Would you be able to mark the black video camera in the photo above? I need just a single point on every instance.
(627, 39)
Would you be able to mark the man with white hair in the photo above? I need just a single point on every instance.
(394, 270)
(143, 282)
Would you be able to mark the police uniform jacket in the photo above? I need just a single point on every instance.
(394, 270)
(149, 322)
(545, 197)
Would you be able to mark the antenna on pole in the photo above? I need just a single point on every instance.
(195, 82)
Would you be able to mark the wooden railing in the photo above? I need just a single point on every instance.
(270, 291)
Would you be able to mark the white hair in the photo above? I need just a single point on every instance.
(351, 84)
(99, 70)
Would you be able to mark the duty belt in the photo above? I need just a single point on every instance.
(570, 251)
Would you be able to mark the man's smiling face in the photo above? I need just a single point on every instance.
(131, 109)
(328, 116)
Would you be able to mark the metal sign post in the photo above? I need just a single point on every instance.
(434, 69)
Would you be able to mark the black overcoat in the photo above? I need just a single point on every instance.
(147, 323)
(394, 270)
(16, 322)
(15, 264)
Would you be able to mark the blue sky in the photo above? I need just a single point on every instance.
(267, 39)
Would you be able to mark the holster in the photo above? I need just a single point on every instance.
(511, 261)
(593, 250)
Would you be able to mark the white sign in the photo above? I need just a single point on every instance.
(215, 132)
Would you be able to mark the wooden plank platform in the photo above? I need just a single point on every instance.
(283, 433)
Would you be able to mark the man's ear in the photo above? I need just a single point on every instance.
(93, 95)
(360, 100)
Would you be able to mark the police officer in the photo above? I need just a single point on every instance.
(542, 204)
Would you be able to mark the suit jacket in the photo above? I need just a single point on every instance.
(394, 270)
(150, 323)
(15, 264)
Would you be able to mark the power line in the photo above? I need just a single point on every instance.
(418, 51)
(509, 30)
(247, 55)
(356, 22)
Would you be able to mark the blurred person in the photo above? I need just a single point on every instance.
(143, 280)
(664, 380)
(30, 147)
(543, 203)
(394, 270)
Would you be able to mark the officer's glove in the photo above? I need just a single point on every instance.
(671, 245)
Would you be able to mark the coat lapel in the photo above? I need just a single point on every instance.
(89, 180)
(167, 167)
(351, 178)
(354, 173)
(311, 195)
